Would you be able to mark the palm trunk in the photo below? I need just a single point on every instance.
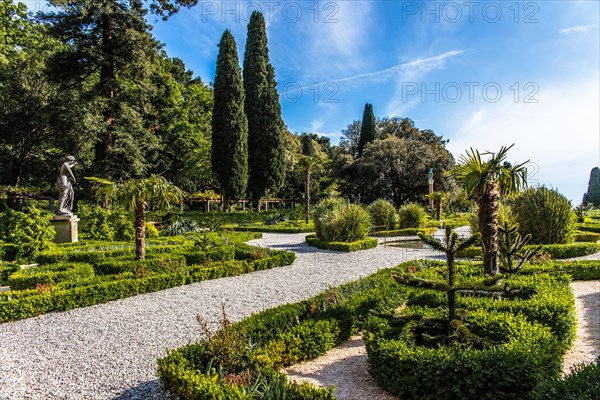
(306, 194)
(140, 231)
(488, 226)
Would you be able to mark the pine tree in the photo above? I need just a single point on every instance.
(229, 123)
(593, 193)
(368, 130)
(266, 145)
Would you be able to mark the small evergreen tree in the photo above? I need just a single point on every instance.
(229, 123)
(592, 196)
(266, 144)
(368, 130)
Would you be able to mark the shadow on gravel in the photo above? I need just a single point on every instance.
(150, 390)
(301, 248)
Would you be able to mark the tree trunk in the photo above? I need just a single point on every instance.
(107, 81)
(306, 194)
(488, 226)
(225, 201)
(140, 231)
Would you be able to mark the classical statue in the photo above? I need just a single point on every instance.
(430, 174)
(66, 194)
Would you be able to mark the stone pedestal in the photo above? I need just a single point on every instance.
(66, 228)
(431, 192)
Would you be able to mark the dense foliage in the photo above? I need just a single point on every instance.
(229, 124)
(545, 214)
(592, 196)
(383, 215)
(411, 215)
(29, 232)
(368, 130)
(336, 220)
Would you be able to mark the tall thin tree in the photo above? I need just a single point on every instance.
(368, 130)
(266, 144)
(229, 123)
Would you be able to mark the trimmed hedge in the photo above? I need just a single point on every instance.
(19, 305)
(583, 383)
(510, 371)
(279, 228)
(8, 251)
(588, 227)
(364, 244)
(51, 274)
(555, 251)
(405, 231)
(582, 236)
(579, 270)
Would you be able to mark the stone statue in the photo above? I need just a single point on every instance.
(66, 195)
(430, 174)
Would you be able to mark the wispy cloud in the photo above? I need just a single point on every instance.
(411, 68)
(577, 29)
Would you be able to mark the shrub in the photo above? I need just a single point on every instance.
(95, 223)
(51, 274)
(559, 251)
(151, 231)
(363, 244)
(181, 227)
(545, 214)
(383, 214)
(411, 215)
(583, 383)
(339, 221)
(30, 231)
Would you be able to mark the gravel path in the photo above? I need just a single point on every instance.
(109, 350)
(587, 344)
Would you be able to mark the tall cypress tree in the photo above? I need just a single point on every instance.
(368, 129)
(593, 193)
(229, 123)
(266, 145)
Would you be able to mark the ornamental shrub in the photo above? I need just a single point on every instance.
(151, 231)
(411, 215)
(30, 231)
(383, 214)
(545, 214)
(583, 383)
(339, 221)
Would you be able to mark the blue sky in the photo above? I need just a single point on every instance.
(481, 73)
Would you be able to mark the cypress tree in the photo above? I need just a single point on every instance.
(266, 145)
(593, 193)
(229, 123)
(368, 129)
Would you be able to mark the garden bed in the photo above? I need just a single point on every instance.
(364, 244)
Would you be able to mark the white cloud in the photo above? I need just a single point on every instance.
(576, 29)
(560, 134)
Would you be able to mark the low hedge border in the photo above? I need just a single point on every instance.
(51, 274)
(405, 231)
(364, 244)
(555, 251)
(275, 229)
(17, 305)
(588, 227)
(581, 236)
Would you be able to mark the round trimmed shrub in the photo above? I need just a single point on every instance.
(545, 214)
(339, 221)
(383, 214)
(411, 215)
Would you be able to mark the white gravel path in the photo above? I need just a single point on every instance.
(109, 350)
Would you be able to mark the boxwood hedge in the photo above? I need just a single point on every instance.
(364, 244)
(49, 274)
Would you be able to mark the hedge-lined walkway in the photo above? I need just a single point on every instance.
(110, 350)
(345, 366)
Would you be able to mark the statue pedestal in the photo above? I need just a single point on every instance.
(66, 228)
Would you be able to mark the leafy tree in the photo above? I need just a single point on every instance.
(229, 123)
(266, 143)
(368, 130)
(135, 194)
(592, 196)
(485, 182)
(351, 136)
(27, 144)
(108, 67)
(394, 169)
(311, 158)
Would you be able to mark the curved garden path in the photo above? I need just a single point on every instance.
(110, 350)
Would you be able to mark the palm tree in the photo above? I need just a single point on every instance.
(485, 182)
(135, 194)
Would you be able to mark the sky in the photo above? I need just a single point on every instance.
(480, 73)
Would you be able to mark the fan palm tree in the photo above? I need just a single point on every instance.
(485, 182)
(135, 194)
